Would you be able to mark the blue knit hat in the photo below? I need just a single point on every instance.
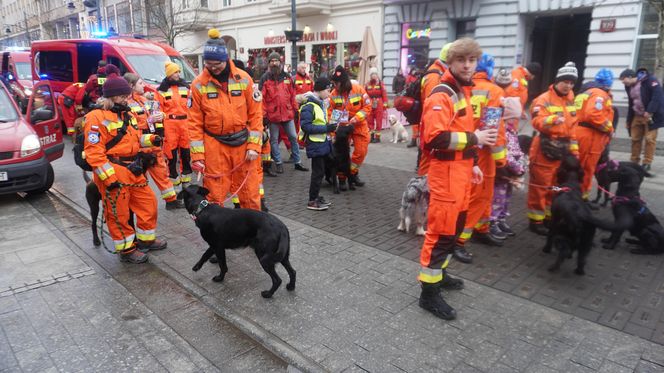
(215, 47)
(486, 64)
(604, 77)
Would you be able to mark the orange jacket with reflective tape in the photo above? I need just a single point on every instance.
(431, 80)
(448, 119)
(101, 126)
(487, 94)
(356, 102)
(224, 111)
(376, 89)
(594, 107)
(173, 101)
(549, 106)
(519, 86)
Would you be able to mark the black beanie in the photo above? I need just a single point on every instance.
(322, 84)
(339, 74)
(534, 68)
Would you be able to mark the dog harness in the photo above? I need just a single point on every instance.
(204, 203)
(622, 199)
(612, 163)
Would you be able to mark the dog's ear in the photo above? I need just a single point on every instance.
(203, 191)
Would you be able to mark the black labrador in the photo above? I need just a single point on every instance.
(572, 222)
(224, 228)
(341, 150)
(632, 214)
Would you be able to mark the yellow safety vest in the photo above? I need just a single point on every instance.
(320, 119)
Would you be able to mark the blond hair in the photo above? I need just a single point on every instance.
(464, 47)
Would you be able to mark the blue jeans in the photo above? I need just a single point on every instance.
(289, 127)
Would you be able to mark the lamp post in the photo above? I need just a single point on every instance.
(294, 36)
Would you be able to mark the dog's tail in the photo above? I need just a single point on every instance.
(86, 177)
(283, 248)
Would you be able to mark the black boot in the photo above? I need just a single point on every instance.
(432, 301)
(538, 228)
(412, 144)
(236, 205)
(264, 206)
(373, 138)
(356, 180)
(505, 228)
(451, 283)
(280, 168)
(268, 169)
(462, 255)
(487, 239)
(342, 185)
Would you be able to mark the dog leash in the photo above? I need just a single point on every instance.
(611, 195)
(553, 188)
(244, 181)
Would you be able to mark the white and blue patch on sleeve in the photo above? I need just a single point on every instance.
(599, 103)
(93, 137)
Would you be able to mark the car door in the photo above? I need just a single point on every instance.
(43, 115)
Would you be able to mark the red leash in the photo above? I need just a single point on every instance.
(606, 191)
(554, 188)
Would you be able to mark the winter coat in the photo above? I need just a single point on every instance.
(307, 116)
(652, 98)
(278, 97)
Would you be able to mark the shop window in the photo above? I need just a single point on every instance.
(465, 28)
(257, 62)
(414, 46)
(646, 40)
(323, 59)
(352, 58)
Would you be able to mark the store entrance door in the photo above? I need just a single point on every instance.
(556, 40)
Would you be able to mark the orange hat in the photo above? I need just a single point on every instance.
(171, 68)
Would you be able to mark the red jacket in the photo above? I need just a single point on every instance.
(303, 84)
(278, 98)
(376, 90)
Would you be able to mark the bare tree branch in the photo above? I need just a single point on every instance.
(169, 19)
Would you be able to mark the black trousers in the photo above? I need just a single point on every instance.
(317, 174)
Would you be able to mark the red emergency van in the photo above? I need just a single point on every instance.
(67, 61)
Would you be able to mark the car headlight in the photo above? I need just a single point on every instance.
(30, 145)
(28, 92)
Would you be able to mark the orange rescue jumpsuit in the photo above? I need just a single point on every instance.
(448, 137)
(227, 108)
(109, 167)
(358, 105)
(594, 130)
(484, 94)
(519, 86)
(429, 81)
(266, 158)
(378, 95)
(545, 110)
(68, 106)
(159, 171)
(176, 140)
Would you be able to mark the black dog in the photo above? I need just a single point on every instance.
(93, 197)
(524, 143)
(631, 212)
(604, 166)
(572, 223)
(225, 229)
(341, 150)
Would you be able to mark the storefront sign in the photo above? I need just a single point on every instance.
(607, 25)
(308, 37)
(418, 33)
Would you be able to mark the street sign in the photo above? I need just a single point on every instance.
(607, 25)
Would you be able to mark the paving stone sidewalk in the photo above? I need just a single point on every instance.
(355, 307)
(60, 311)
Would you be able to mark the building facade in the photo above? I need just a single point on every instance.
(615, 34)
(333, 32)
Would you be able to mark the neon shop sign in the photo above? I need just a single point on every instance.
(418, 34)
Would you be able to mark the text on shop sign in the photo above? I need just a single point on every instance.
(418, 34)
(308, 37)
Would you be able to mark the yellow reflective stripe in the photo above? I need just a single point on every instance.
(105, 171)
(197, 146)
(524, 82)
(354, 166)
(110, 125)
(261, 190)
(550, 119)
(466, 234)
(159, 125)
(209, 88)
(168, 193)
(537, 215)
(145, 234)
(361, 115)
(498, 153)
(146, 141)
(337, 100)
(101, 81)
(299, 82)
(255, 137)
(266, 157)
(430, 276)
(124, 244)
(185, 178)
(571, 109)
(458, 140)
(183, 91)
(235, 199)
(573, 146)
(167, 94)
(580, 99)
(460, 105)
(176, 181)
(554, 109)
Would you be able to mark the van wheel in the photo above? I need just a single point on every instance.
(50, 177)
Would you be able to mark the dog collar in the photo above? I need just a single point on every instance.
(204, 203)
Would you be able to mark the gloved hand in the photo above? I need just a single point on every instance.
(113, 185)
(157, 117)
(198, 166)
(156, 140)
(330, 128)
(251, 155)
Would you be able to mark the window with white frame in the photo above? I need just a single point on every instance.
(226, 3)
(646, 40)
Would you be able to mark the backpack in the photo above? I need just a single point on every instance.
(409, 100)
(79, 146)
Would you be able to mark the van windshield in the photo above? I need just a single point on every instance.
(7, 110)
(23, 71)
(151, 67)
